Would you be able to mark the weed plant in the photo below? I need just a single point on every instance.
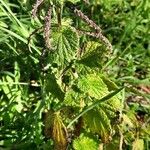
(74, 74)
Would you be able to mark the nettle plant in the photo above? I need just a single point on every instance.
(81, 105)
(70, 98)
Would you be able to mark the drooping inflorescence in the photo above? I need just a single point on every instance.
(99, 36)
(47, 22)
(85, 18)
(93, 25)
(47, 25)
(36, 6)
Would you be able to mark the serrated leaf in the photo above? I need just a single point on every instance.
(92, 56)
(116, 102)
(65, 43)
(73, 97)
(99, 123)
(59, 133)
(127, 121)
(85, 143)
(110, 84)
(92, 106)
(53, 88)
(93, 85)
(138, 144)
(55, 129)
(109, 110)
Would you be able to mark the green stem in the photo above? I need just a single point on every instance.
(59, 15)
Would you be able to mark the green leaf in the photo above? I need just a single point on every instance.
(104, 99)
(13, 93)
(65, 44)
(98, 122)
(109, 109)
(110, 84)
(8, 90)
(13, 34)
(73, 97)
(93, 85)
(17, 72)
(52, 87)
(138, 144)
(97, 86)
(10, 14)
(92, 56)
(127, 121)
(73, 1)
(85, 143)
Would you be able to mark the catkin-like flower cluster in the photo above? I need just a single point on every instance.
(93, 25)
(85, 18)
(98, 36)
(47, 28)
(36, 6)
(47, 20)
